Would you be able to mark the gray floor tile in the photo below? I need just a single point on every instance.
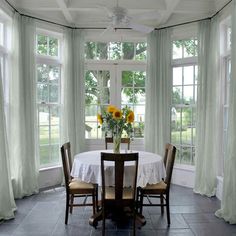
(160, 222)
(43, 215)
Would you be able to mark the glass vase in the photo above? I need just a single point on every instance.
(116, 143)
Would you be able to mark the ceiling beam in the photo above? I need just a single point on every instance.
(63, 6)
(170, 7)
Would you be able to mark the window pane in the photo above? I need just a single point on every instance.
(42, 73)
(188, 75)
(91, 129)
(128, 51)
(44, 155)
(177, 95)
(54, 95)
(44, 135)
(55, 115)
(139, 96)
(139, 79)
(127, 95)
(42, 47)
(42, 93)
(138, 129)
(141, 51)
(55, 150)
(102, 51)
(91, 79)
(104, 96)
(186, 157)
(54, 74)
(55, 138)
(176, 125)
(115, 50)
(188, 95)
(177, 50)
(90, 50)
(91, 113)
(53, 46)
(127, 79)
(189, 48)
(177, 76)
(139, 111)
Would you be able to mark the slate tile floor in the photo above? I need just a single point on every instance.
(43, 215)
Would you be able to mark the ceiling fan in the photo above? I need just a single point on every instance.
(118, 17)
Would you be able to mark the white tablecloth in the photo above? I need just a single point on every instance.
(87, 167)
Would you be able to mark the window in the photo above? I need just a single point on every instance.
(48, 97)
(121, 83)
(184, 97)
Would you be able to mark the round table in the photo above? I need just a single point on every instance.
(87, 167)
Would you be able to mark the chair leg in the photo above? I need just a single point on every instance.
(71, 203)
(97, 207)
(134, 221)
(67, 207)
(94, 201)
(162, 202)
(103, 221)
(141, 203)
(168, 209)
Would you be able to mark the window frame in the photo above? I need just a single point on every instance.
(183, 62)
(57, 62)
(116, 69)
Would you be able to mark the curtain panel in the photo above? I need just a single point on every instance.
(158, 85)
(7, 203)
(73, 105)
(208, 108)
(228, 203)
(23, 137)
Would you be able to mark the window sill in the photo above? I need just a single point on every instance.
(49, 168)
(184, 167)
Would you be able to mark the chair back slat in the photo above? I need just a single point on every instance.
(123, 140)
(66, 162)
(170, 159)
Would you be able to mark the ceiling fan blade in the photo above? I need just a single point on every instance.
(140, 27)
(108, 29)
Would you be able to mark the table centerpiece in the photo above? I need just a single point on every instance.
(116, 122)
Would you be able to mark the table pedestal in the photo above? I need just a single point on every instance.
(94, 219)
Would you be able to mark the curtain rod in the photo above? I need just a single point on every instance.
(70, 27)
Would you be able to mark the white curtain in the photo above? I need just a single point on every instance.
(7, 203)
(73, 106)
(228, 203)
(208, 108)
(158, 91)
(22, 112)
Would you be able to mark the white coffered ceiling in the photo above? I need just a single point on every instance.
(93, 13)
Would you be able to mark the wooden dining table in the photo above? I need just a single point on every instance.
(87, 167)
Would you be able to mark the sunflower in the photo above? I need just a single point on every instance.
(130, 117)
(99, 117)
(117, 114)
(111, 109)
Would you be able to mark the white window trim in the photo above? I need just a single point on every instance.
(51, 61)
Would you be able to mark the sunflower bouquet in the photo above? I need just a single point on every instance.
(116, 122)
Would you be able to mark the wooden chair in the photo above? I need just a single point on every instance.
(76, 188)
(117, 197)
(123, 140)
(160, 190)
